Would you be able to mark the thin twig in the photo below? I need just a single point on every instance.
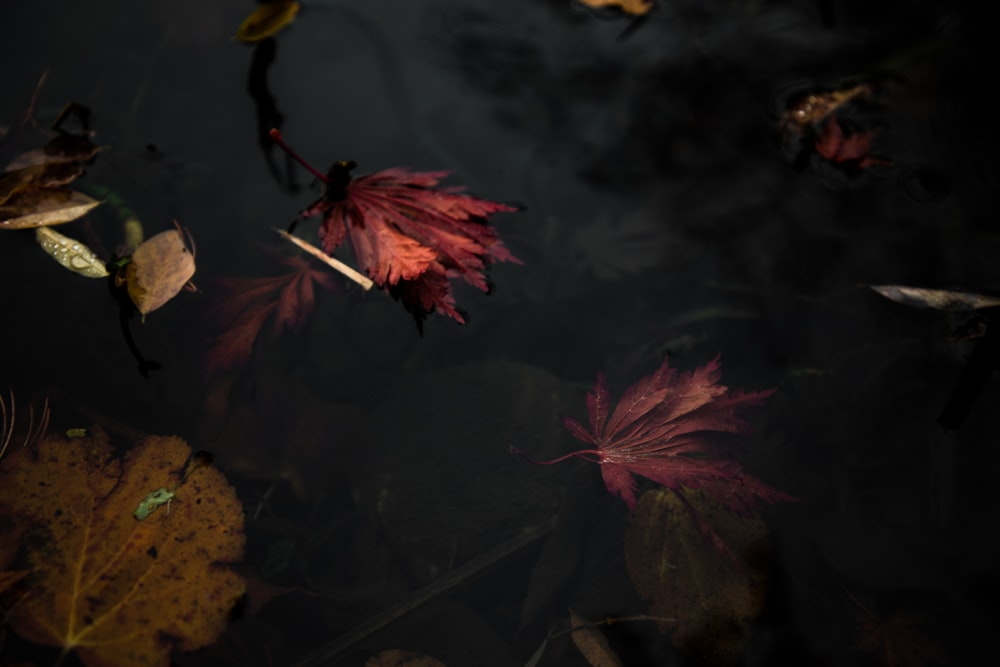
(335, 264)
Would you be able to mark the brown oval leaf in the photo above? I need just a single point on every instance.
(117, 590)
(159, 269)
(41, 207)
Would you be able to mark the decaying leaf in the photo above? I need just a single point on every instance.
(592, 643)
(634, 7)
(936, 298)
(64, 148)
(711, 599)
(114, 589)
(41, 207)
(159, 269)
(70, 253)
(398, 658)
(849, 149)
(813, 107)
(267, 19)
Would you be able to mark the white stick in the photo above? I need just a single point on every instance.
(335, 264)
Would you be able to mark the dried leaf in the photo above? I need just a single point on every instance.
(939, 299)
(117, 590)
(813, 107)
(592, 644)
(63, 148)
(159, 269)
(711, 599)
(397, 658)
(39, 176)
(41, 207)
(267, 20)
(72, 254)
(634, 7)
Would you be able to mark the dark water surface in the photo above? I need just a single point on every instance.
(666, 213)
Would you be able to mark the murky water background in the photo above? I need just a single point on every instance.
(663, 215)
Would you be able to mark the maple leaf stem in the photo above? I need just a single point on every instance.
(276, 137)
(582, 452)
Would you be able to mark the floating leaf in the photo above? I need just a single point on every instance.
(267, 19)
(711, 599)
(592, 644)
(936, 298)
(634, 7)
(38, 176)
(72, 254)
(159, 269)
(116, 590)
(41, 207)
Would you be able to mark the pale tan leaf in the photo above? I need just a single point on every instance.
(936, 298)
(160, 268)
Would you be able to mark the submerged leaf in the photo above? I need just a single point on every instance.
(936, 298)
(710, 599)
(72, 254)
(398, 658)
(267, 19)
(159, 270)
(116, 590)
(41, 207)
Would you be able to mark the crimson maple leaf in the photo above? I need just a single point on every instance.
(410, 236)
(853, 148)
(249, 302)
(661, 430)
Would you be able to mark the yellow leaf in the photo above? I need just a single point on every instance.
(70, 253)
(267, 19)
(710, 597)
(41, 207)
(634, 7)
(592, 644)
(159, 269)
(116, 590)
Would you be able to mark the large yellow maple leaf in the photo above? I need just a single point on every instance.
(115, 588)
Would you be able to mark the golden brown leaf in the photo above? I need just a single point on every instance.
(592, 644)
(267, 19)
(160, 268)
(41, 207)
(685, 579)
(117, 590)
(634, 7)
(397, 658)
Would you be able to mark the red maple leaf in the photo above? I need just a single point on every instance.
(410, 236)
(661, 430)
(248, 303)
(853, 148)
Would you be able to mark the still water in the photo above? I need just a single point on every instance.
(705, 179)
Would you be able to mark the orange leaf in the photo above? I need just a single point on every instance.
(634, 7)
(116, 589)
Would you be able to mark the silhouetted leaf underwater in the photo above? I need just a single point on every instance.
(398, 658)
